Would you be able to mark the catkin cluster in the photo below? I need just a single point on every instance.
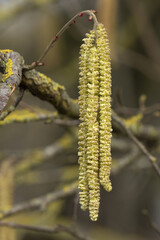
(95, 115)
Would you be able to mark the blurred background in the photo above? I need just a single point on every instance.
(133, 27)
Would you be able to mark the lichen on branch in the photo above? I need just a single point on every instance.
(46, 89)
(11, 67)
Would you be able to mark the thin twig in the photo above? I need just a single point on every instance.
(45, 229)
(91, 13)
(66, 122)
(47, 117)
(41, 202)
(151, 158)
(126, 160)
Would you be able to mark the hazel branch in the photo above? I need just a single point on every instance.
(45, 229)
(142, 148)
(48, 90)
(72, 21)
(34, 115)
(40, 202)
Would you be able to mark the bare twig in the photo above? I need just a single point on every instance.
(41, 202)
(66, 122)
(34, 115)
(45, 229)
(65, 27)
(91, 14)
(30, 160)
(143, 149)
(126, 160)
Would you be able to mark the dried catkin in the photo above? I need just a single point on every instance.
(95, 115)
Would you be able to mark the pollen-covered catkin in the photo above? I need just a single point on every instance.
(83, 65)
(91, 119)
(103, 52)
(95, 115)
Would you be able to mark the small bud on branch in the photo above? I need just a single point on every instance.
(72, 21)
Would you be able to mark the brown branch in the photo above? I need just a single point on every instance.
(65, 27)
(41, 202)
(66, 122)
(143, 149)
(34, 115)
(45, 229)
(126, 160)
(30, 160)
(91, 14)
(46, 89)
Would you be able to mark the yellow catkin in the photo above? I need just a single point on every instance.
(95, 115)
(93, 133)
(103, 52)
(83, 65)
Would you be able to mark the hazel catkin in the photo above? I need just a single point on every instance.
(83, 65)
(95, 115)
(105, 128)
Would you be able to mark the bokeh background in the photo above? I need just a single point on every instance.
(133, 28)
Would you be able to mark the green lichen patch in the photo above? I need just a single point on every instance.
(8, 71)
(27, 115)
(11, 69)
(48, 90)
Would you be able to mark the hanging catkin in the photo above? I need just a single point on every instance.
(95, 115)
(91, 119)
(105, 129)
(83, 182)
